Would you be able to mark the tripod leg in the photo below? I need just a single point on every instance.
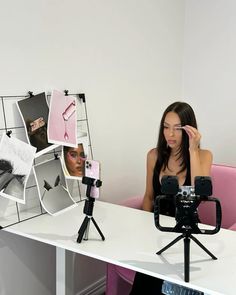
(98, 229)
(87, 230)
(186, 258)
(203, 247)
(82, 229)
(170, 244)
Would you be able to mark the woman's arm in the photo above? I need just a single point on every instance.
(200, 160)
(149, 193)
(200, 163)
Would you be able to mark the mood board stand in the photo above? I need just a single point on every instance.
(11, 124)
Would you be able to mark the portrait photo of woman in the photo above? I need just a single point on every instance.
(73, 158)
(34, 113)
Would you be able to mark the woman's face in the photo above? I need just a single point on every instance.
(74, 159)
(172, 132)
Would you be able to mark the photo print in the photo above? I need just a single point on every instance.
(16, 159)
(73, 159)
(34, 112)
(52, 188)
(82, 129)
(62, 125)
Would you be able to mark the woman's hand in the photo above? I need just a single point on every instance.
(194, 137)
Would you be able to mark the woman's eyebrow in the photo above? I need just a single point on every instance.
(178, 124)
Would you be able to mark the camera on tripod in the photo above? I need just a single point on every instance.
(186, 200)
(91, 179)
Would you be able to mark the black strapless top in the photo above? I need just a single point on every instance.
(167, 205)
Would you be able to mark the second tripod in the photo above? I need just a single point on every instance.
(187, 236)
(88, 211)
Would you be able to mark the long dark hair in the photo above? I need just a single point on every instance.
(187, 117)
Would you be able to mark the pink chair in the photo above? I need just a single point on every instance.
(224, 188)
(120, 279)
(233, 227)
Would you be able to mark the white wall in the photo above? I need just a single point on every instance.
(125, 55)
(209, 73)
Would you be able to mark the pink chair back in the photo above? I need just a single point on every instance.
(224, 188)
(133, 202)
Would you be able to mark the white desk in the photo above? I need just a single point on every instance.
(132, 241)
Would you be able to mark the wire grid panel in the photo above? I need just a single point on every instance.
(10, 120)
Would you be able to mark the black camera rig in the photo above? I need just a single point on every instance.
(187, 199)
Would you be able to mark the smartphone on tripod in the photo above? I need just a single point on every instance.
(92, 170)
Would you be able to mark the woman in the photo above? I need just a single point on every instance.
(178, 153)
(74, 160)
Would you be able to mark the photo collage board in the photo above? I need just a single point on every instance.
(44, 145)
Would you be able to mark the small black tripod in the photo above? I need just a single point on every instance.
(88, 210)
(187, 236)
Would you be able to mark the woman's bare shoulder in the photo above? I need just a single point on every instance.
(152, 155)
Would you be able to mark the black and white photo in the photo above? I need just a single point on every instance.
(16, 159)
(52, 188)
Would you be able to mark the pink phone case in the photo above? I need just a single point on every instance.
(92, 170)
